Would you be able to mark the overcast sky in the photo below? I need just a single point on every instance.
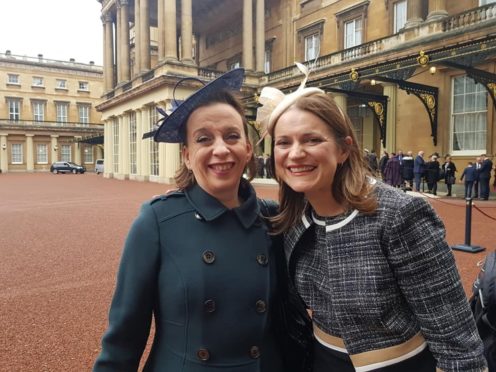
(58, 29)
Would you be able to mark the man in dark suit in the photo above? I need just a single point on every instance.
(484, 176)
(477, 167)
(469, 175)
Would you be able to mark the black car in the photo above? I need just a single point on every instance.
(66, 167)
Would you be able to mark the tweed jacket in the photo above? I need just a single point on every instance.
(378, 280)
(206, 275)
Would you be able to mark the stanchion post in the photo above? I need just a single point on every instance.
(468, 231)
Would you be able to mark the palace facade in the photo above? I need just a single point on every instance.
(412, 74)
(47, 113)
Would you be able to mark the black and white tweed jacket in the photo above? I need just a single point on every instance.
(375, 281)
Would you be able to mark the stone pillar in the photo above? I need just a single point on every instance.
(413, 13)
(118, 41)
(4, 153)
(267, 145)
(99, 152)
(437, 10)
(108, 53)
(77, 153)
(124, 41)
(29, 153)
(55, 147)
(123, 146)
(186, 31)
(391, 91)
(170, 30)
(144, 43)
(108, 160)
(137, 54)
(173, 160)
(161, 29)
(248, 34)
(341, 100)
(260, 35)
(139, 143)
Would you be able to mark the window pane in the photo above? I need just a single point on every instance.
(399, 15)
(115, 129)
(42, 154)
(16, 153)
(132, 142)
(88, 154)
(65, 153)
(154, 166)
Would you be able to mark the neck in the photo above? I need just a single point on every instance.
(325, 205)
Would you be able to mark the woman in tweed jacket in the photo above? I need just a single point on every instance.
(370, 262)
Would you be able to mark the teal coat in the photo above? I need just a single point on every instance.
(206, 274)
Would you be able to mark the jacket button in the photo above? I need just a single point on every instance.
(262, 259)
(208, 257)
(198, 216)
(203, 354)
(254, 352)
(209, 306)
(260, 306)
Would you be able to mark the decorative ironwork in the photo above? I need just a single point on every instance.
(423, 59)
(354, 75)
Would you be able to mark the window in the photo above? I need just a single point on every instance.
(84, 114)
(42, 153)
(38, 111)
(62, 109)
(61, 84)
(469, 117)
(485, 2)
(37, 81)
(16, 154)
(399, 16)
(154, 167)
(352, 33)
(267, 60)
(83, 85)
(88, 154)
(13, 79)
(115, 132)
(132, 143)
(14, 105)
(65, 153)
(312, 46)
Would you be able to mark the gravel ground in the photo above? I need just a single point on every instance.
(60, 243)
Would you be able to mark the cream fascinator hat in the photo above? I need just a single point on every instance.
(274, 102)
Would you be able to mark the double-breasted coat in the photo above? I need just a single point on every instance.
(205, 274)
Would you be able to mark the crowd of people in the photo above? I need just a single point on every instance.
(409, 173)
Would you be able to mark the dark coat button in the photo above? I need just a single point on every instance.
(209, 306)
(261, 307)
(203, 354)
(198, 216)
(208, 257)
(254, 352)
(262, 259)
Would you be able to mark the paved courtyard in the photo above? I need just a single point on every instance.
(60, 243)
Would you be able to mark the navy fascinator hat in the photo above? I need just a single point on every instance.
(171, 129)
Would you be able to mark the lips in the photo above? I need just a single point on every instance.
(221, 167)
(301, 168)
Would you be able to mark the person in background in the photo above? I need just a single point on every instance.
(484, 177)
(407, 171)
(373, 162)
(477, 166)
(382, 163)
(260, 166)
(370, 262)
(392, 173)
(432, 171)
(449, 170)
(418, 169)
(469, 176)
(199, 260)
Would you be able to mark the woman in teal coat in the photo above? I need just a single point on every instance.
(199, 260)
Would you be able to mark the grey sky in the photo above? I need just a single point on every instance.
(58, 29)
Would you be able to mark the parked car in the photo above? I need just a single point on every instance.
(99, 166)
(66, 167)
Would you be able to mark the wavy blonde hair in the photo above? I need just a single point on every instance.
(351, 186)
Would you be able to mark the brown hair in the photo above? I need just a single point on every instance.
(184, 177)
(351, 186)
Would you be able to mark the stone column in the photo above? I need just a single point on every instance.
(161, 29)
(391, 91)
(108, 160)
(77, 153)
(341, 100)
(137, 54)
(29, 153)
(99, 153)
(173, 160)
(248, 34)
(55, 147)
(144, 43)
(4, 153)
(413, 13)
(139, 142)
(108, 52)
(437, 10)
(186, 31)
(124, 146)
(260, 35)
(267, 145)
(170, 30)
(118, 41)
(124, 41)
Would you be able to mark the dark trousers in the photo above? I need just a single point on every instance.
(484, 188)
(432, 186)
(476, 189)
(418, 180)
(469, 185)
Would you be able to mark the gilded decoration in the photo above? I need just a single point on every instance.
(430, 103)
(354, 75)
(423, 59)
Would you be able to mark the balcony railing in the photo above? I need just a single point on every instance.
(470, 17)
(50, 124)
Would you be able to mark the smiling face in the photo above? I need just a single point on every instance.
(306, 155)
(217, 150)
